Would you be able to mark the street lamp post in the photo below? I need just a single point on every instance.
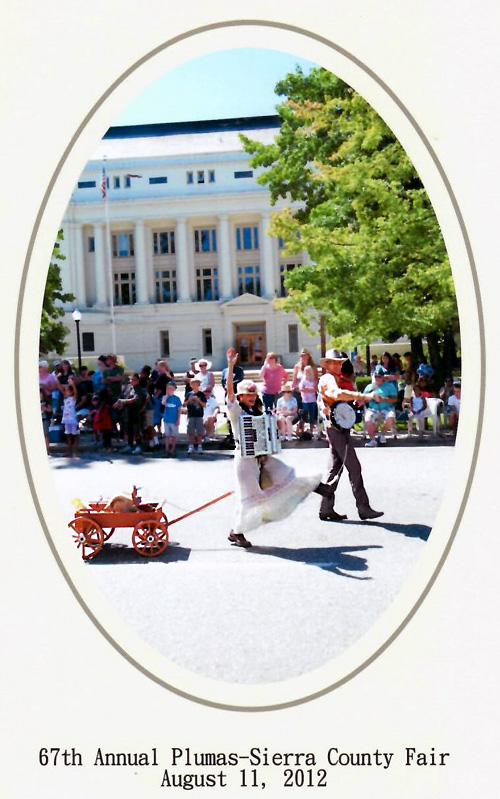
(77, 317)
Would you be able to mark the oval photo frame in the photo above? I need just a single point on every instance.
(322, 681)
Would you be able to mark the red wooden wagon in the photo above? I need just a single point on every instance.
(149, 522)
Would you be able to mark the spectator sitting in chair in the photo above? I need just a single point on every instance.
(373, 364)
(418, 404)
(210, 414)
(454, 406)
(383, 410)
(447, 390)
(286, 410)
(359, 365)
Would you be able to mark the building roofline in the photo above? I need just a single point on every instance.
(198, 126)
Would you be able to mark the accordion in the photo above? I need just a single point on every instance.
(259, 435)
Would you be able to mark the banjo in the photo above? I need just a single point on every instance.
(343, 415)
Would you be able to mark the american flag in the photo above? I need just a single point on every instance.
(103, 184)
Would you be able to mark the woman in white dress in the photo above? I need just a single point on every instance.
(267, 489)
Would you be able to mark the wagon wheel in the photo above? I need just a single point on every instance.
(88, 535)
(150, 538)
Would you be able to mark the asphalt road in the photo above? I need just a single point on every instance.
(305, 591)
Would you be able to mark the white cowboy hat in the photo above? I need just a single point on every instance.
(332, 355)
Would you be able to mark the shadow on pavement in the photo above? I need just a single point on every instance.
(421, 531)
(87, 458)
(124, 555)
(337, 560)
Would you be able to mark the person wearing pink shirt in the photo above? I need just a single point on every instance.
(273, 375)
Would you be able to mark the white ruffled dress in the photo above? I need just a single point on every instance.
(258, 505)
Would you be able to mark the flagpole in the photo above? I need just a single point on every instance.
(109, 259)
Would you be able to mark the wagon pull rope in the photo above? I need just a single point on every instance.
(202, 507)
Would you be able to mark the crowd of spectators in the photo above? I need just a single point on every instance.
(142, 411)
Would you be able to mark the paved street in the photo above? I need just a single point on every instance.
(304, 592)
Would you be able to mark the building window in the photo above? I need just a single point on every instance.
(164, 243)
(247, 238)
(123, 245)
(91, 244)
(128, 182)
(284, 268)
(207, 341)
(211, 176)
(161, 179)
(205, 240)
(248, 173)
(88, 342)
(86, 184)
(124, 288)
(189, 177)
(207, 284)
(249, 280)
(116, 183)
(164, 344)
(293, 338)
(166, 285)
(200, 176)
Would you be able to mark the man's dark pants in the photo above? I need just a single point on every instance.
(341, 447)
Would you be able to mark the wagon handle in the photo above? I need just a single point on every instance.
(202, 507)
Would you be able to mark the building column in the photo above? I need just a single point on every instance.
(101, 266)
(149, 265)
(80, 293)
(224, 258)
(182, 261)
(267, 259)
(66, 248)
(141, 270)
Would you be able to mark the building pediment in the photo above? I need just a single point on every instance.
(245, 300)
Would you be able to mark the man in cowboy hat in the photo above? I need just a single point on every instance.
(341, 449)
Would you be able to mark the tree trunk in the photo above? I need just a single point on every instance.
(417, 348)
(450, 360)
(435, 358)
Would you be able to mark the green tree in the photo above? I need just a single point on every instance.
(52, 331)
(380, 267)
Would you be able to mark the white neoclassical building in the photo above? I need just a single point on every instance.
(180, 244)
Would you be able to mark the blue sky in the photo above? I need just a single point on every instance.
(229, 83)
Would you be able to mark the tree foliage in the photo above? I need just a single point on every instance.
(379, 264)
(52, 331)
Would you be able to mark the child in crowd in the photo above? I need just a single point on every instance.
(287, 409)
(102, 423)
(171, 418)
(195, 403)
(418, 405)
(69, 419)
(308, 387)
(46, 409)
